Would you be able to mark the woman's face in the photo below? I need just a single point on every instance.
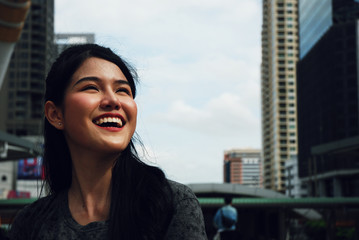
(99, 112)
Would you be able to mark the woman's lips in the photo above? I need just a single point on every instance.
(109, 120)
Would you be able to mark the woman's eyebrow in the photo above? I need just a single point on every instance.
(96, 79)
(86, 79)
(120, 82)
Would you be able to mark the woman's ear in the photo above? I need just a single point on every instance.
(54, 115)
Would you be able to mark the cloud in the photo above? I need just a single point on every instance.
(164, 81)
(187, 163)
(160, 26)
(225, 115)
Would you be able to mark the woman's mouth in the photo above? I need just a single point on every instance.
(109, 122)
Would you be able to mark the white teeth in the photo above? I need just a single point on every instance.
(109, 120)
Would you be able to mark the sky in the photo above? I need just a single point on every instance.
(199, 68)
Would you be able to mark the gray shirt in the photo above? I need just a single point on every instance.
(50, 218)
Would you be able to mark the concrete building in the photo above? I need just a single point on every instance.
(328, 105)
(12, 18)
(278, 86)
(243, 166)
(64, 40)
(21, 94)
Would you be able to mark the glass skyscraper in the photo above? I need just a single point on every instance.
(315, 17)
(328, 100)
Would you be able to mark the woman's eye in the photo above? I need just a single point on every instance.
(90, 88)
(125, 90)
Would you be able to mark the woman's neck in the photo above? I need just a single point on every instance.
(89, 195)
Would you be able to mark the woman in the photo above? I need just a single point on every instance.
(98, 187)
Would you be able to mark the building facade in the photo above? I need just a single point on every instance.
(243, 166)
(278, 89)
(12, 17)
(22, 91)
(328, 106)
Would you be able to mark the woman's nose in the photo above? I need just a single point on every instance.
(110, 101)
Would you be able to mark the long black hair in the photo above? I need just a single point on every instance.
(141, 198)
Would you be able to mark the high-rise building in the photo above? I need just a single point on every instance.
(278, 79)
(243, 166)
(22, 91)
(328, 100)
(12, 17)
(315, 18)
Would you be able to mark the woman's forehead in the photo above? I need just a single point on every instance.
(99, 68)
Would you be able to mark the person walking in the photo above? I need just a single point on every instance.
(225, 221)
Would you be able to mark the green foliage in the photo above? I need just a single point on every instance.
(345, 233)
(317, 230)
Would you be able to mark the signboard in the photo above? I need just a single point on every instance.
(30, 168)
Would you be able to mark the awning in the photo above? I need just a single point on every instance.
(14, 148)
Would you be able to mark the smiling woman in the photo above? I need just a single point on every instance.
(98, 186)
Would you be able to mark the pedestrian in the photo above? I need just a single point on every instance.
(98, 188)
(225, 221)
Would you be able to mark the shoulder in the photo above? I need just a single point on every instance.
(30, 216)
(187, 221)
(181, 192)
(35, 208)
(230, 208)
